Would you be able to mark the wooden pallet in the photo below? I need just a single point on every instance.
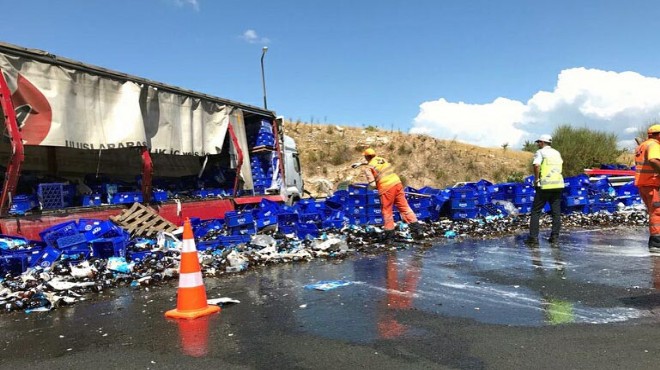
(140, 220)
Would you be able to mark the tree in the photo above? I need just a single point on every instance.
(584, 148)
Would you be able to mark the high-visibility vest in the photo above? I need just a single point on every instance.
(645, 175)
(383, 173)
(550, 171)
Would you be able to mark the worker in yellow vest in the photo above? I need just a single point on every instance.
(549, 184)
(380, 175)
(647, 179)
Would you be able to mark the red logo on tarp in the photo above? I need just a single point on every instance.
(33, 112)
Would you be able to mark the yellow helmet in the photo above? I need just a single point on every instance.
(654, 129)
(370, 152)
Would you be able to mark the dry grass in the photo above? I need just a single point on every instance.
(327, 152)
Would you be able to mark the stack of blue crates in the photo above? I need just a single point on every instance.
(628, 194)
(265, 214)
(265, 137)
(17, 254)
(262, 172)
(575, 195)
(463, 203)
(520, 194)
(420, 203)
(362, 206)
(601, 196)
(240, 223)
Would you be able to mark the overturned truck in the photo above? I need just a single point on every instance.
(84, 142)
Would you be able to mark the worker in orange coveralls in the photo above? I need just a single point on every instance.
(647, 179)
(380, 174)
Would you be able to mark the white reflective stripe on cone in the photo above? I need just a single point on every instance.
(188, 245)
(190, 280)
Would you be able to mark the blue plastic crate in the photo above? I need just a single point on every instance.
(71, 241)
(92, 200)
(23, 203)
(423, 214)
(305, 230)
(524, 209)
(575, 200)
(361, 189)
(287, 218)
(628, 189)
(94, 228)
(310, 217)
(47, 257)
(51, 234)
(464, 203)
(109, 247)
(582, 190)
(522, 199)
(263, 221)
(77, 253)
(234, 219)
(13, 265)
(243, 230)
(127, 197)
(464, 192)
(516, 188)
(333, 223)
(608, 207)
(51, 196)
(576, 181)
(207, 226)
(419, 203)
(629, 200)
(31, 252)
(461, 214)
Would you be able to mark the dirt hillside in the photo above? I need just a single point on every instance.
(327, 152)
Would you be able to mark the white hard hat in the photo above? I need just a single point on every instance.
(545, 138)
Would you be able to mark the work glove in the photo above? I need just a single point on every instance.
(356, 165)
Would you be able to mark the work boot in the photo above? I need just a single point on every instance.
(416, 230)
(531, 241)
(387, 235)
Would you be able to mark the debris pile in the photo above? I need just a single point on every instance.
(139, 249)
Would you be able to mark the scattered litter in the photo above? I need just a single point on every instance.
(328, 285)
(222, 301)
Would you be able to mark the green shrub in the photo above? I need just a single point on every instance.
(583, 148)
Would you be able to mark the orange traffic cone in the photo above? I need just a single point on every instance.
(191, 296)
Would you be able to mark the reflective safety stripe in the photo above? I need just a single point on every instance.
(190, 280)
(383, 173)
(188, 245)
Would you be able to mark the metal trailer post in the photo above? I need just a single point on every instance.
(17, 151)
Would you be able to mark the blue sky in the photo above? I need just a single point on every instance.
(483, 71)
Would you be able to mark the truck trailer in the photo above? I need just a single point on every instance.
(85, 142)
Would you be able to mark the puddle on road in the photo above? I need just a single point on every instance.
(586, 279)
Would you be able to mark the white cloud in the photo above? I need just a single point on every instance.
(616, 102)
(193, 3)
(252, 37)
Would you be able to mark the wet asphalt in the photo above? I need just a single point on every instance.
(589, 302)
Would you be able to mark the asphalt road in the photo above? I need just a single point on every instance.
(589, 303)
